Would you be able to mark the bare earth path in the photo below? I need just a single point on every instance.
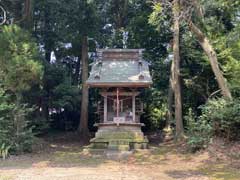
(63, 160)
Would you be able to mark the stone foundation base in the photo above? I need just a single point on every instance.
(122, 137)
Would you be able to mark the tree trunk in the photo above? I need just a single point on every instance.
(26, 18)
(170, 97)
(48, 42)
(176, 78)
(83, 125)
(210, 52)
(76, 75)
(28, 5)
(48, 54)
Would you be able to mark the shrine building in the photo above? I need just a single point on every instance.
(120, 75)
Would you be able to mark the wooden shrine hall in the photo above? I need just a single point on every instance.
(120, 75)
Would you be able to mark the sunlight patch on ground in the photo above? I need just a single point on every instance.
(220, 172)
(3, 177)
(160, 155)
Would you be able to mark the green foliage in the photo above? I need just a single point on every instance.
(160, 16)
(4, 151)
(63, 98)
(157, 117)
(154, 116)
(19, 65)
(21, 134)
(231, 56)
(155, 16)
(219, 117)
(5, 120)
(224, 116)
(15, 133)
(20, 69)
(40, 125)
(57, 100)
(66, 96)
(199, 131)
(222, 25)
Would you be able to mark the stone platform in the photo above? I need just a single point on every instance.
(119, 136)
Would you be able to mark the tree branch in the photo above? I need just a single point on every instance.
(215, 92)
(4, 15)
(212, 56)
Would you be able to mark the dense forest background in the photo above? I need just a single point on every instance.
(42, 53)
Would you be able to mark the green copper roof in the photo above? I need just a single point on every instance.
(120, 72)
(120, 67)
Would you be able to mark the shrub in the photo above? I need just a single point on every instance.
(155, 118)
(15, 132)
(224, 116)
(199, 131)
(220, 117)
(20, 69)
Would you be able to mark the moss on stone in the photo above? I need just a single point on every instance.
(120, 140)
(119, 135)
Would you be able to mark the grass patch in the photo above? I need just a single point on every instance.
(79, 158)
(155, 155)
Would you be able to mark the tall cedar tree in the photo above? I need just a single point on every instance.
(83, 125)
(176, 68)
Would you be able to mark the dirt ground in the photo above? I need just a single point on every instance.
(62, 159)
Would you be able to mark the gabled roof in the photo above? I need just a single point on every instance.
(120, 68)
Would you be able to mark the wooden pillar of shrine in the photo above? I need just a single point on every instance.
(134, 107)
(105, 108)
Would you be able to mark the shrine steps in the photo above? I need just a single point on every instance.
(119, 138)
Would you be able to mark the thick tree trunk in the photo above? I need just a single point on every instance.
(176, 78)
(210, 52)
(83, 125)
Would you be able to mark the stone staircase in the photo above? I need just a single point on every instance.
(119, 139)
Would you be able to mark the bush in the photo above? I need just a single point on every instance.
(154, 118)
(15, 133)
(224, 116)
(199, 131)
(20, 69)
(220, 117)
